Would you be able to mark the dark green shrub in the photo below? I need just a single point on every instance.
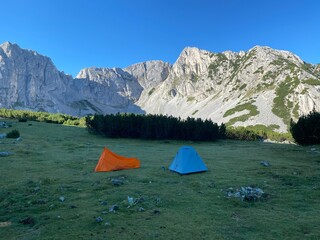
(13, 134)
(22, 120)
(307, 130)
(242, 133)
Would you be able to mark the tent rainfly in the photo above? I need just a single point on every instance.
(110, 161)
(187, 161)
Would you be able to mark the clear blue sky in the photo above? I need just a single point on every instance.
(117, 33)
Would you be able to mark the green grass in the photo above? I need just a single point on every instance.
(55, 160)
(285, 64)
(191, 99)
(269, 75)
(295, 111)
(213, 67)
(312, 81)
(282, 106)
(259, 70)
(260, 127)
(242, 86)
(246, 106)
(151, 91)
(194, 112)
(194, 78)
(271, 133)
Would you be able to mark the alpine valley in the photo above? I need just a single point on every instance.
(262, 86)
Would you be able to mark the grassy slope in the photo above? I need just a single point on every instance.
(54, 160)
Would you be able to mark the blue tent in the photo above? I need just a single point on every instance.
(187, 161)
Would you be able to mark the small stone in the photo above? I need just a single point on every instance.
(5, 224)
(265, 163)
(99, 219)
(130, 200)
(104, 203)
(139, 200)
(62, 198)
(107, 224)
(116, 182)
(5, 154)
(3, 125)
(3, 135)
(114, 208)
(158, 200)
(141, 209)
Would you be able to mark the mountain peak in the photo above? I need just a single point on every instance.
(192, 50)
(8, 46)
(262, 48)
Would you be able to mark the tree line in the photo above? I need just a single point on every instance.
(306, 131)
(157, 127)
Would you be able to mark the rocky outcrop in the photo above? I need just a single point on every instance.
(116, 87)
(149, 74)
(120, 88)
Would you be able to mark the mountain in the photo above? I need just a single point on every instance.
(30, 81)
(261, 86)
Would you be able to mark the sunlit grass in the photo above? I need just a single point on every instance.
(54, 160)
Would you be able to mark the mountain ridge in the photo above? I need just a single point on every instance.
(262, 86)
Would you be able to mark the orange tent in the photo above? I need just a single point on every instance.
(110, 161)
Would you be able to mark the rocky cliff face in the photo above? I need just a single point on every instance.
(114, 88)
(261, 86)
(149, 74)
(30, 81)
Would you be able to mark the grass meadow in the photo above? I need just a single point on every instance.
(53, 162)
